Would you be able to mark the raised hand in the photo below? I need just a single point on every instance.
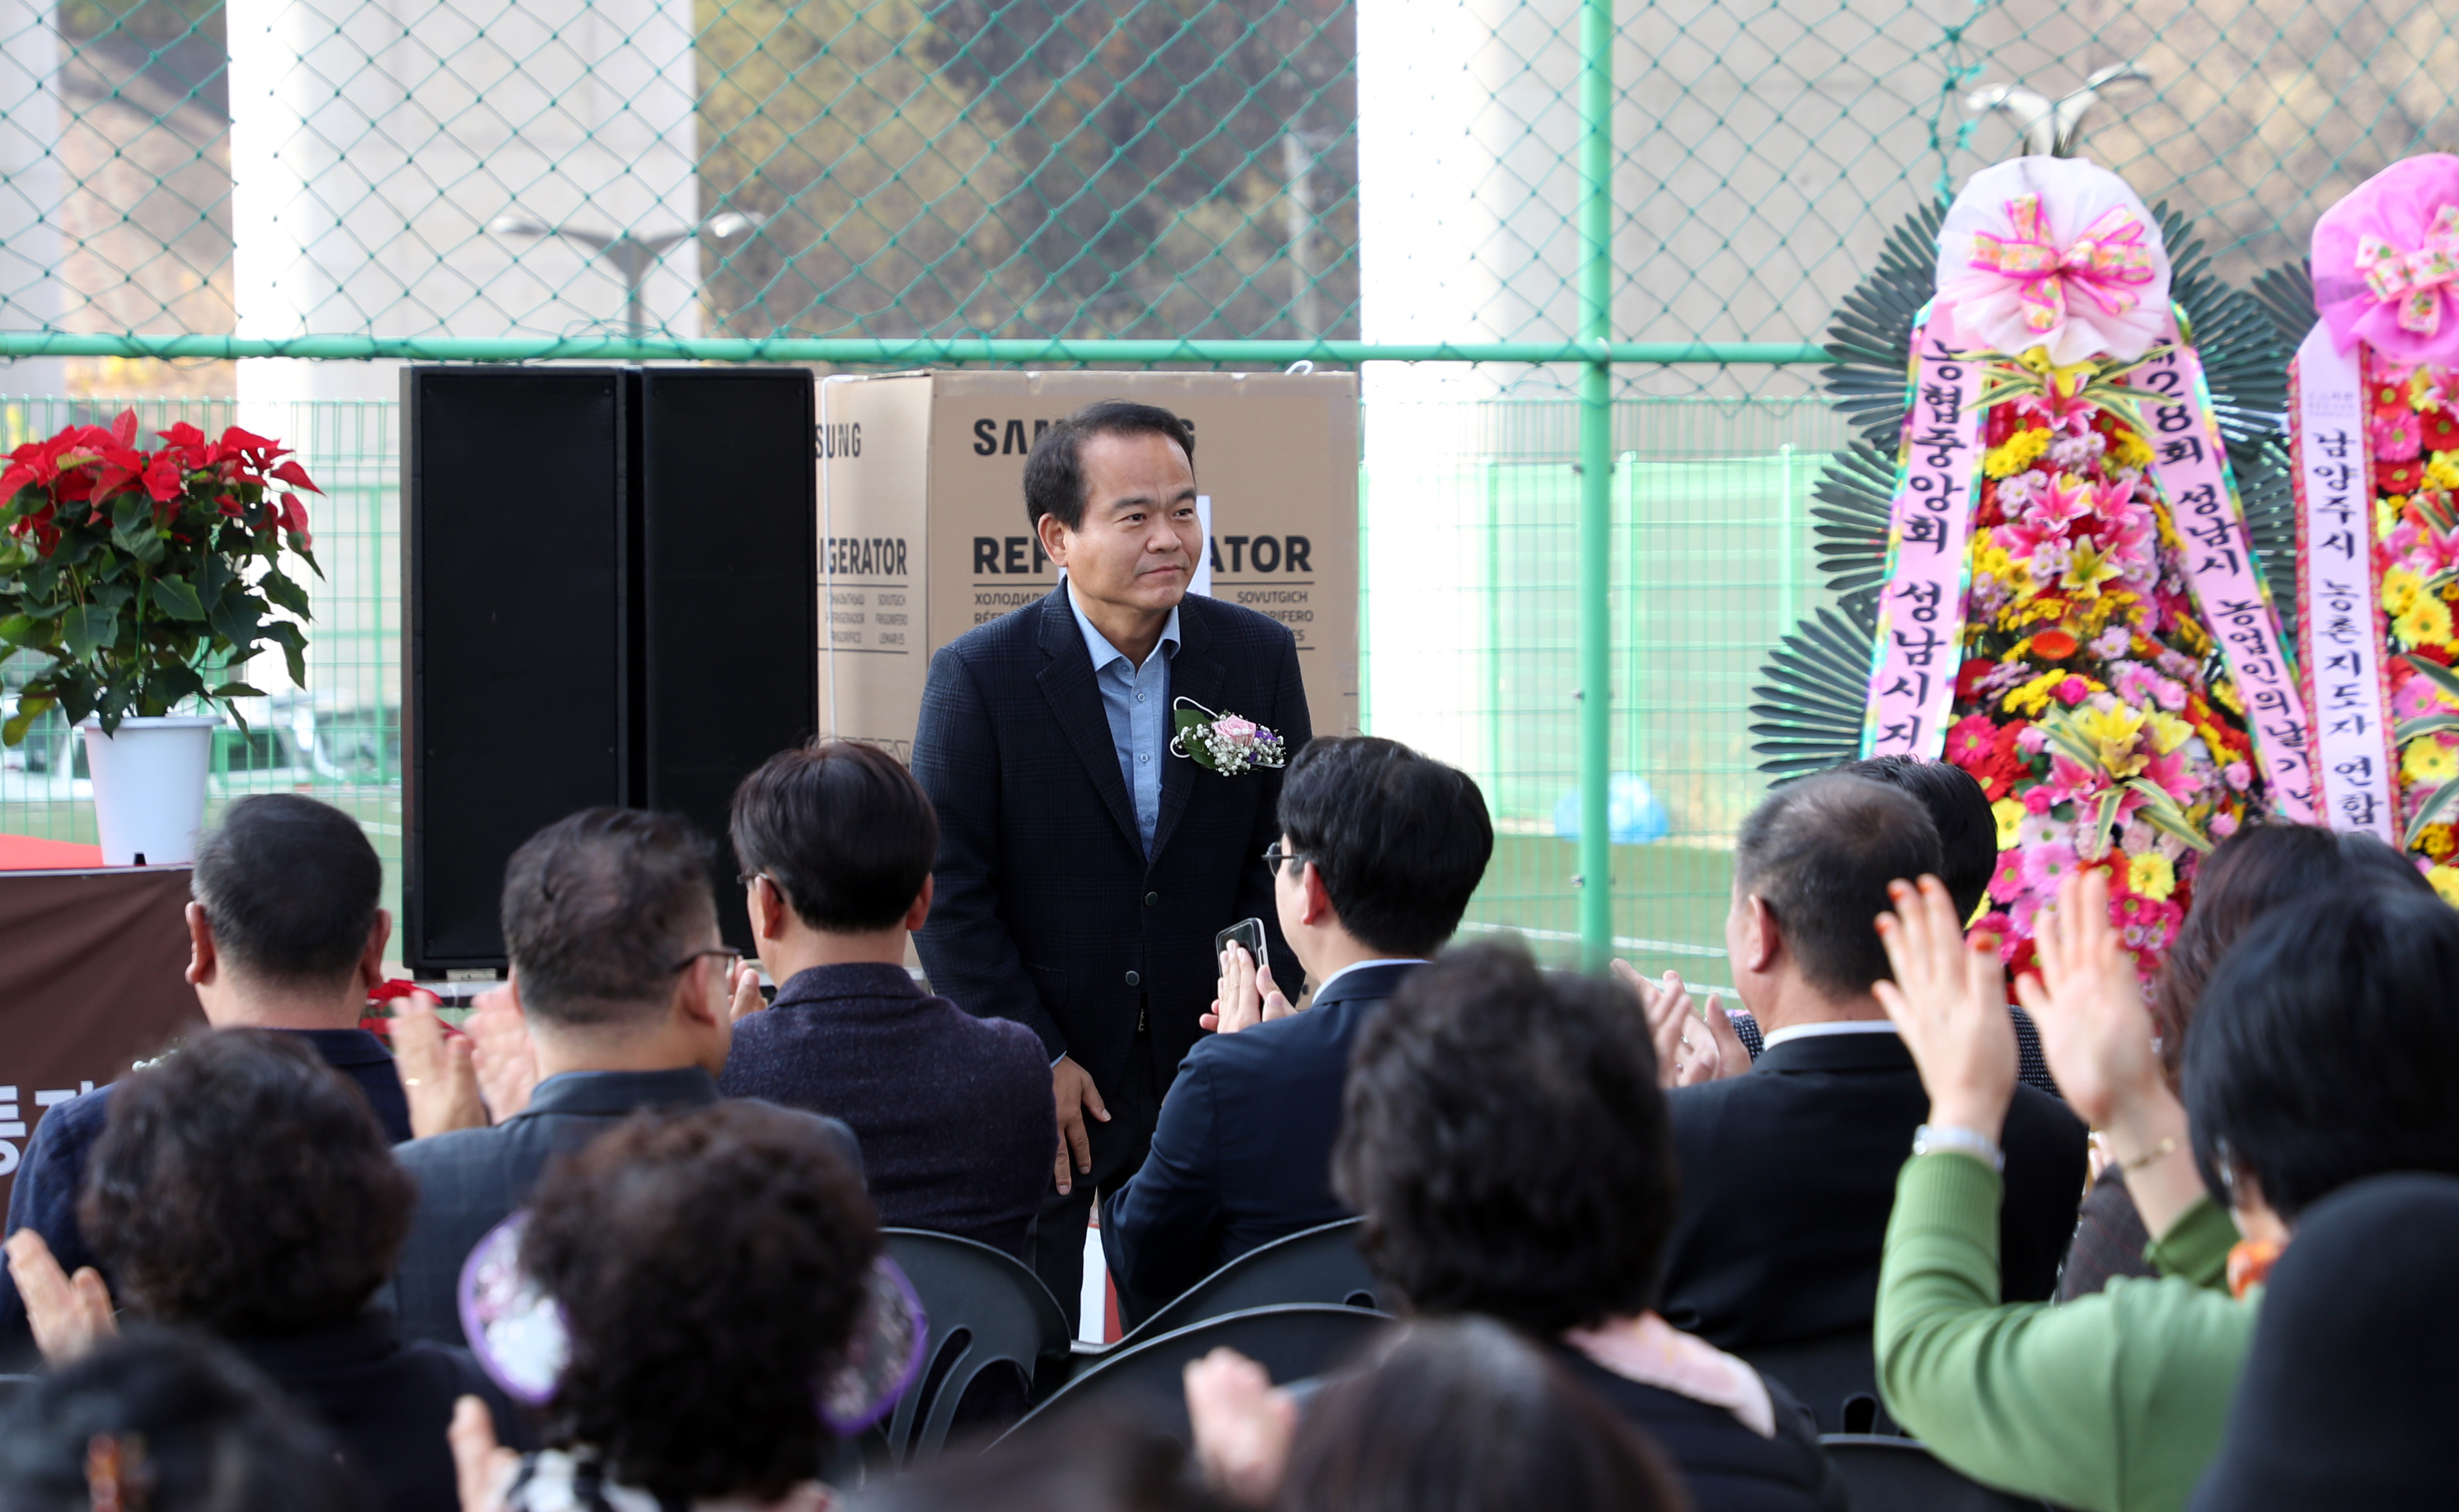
(1690, 1048)
(2097, 1038)
(438, 1073)
(2087, 1002)
(1243, 1424)
(507, 1063)
(1245, 995)
(67, 1315)
(1949, 1001)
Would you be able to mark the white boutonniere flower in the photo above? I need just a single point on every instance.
(1223, 743)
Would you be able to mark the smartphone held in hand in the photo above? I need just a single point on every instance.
(1249, 932)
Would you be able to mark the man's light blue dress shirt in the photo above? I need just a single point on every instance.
(1137, 701)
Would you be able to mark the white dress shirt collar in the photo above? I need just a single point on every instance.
(1837, 1026)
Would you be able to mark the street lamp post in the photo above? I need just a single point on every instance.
(633, 255)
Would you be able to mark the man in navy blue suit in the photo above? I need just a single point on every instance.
(1380, 851)
(1083, 868)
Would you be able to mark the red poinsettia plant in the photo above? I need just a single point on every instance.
(139, 573)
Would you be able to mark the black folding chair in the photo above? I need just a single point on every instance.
(986, 1311)
(1313, 1265)
(1885, 1473)
(1291, 1343)
(1836, 1377)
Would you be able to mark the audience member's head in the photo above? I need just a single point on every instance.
(1968, 831)
(710, 1267)
(2348, 1382)
(1468, 1416)
(1464, 1094)
(2325, 1049)
(164, 1422)
(243, 1186)
(1810, 870)
(1391, 841)
(2245, 877)
(835, 837)
(1091, 1461)
(284, 929)
(611, 925)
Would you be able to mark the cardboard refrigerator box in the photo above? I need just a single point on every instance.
(923, 533)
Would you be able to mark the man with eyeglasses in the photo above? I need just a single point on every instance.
(629, 1001)
(1380, 849)
(1085, 864)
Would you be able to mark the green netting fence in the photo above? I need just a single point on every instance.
(1591, 242)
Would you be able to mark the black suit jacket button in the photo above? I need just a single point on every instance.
(1152, 899)
(1133, 979)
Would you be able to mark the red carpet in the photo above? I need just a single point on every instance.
(26, 853)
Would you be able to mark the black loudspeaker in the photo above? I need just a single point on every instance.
(612, 599)
(517, 682)
(727, 631)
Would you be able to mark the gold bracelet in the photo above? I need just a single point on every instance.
(2160, 1151)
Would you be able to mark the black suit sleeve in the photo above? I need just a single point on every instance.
(1289, 716)
(965, 946)
(1158, 1233)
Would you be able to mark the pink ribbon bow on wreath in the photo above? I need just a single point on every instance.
(2413, 281)
(2104, 262)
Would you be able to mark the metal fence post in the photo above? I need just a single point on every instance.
(1596, 480)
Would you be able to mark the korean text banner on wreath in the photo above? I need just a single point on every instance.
(2220, 565)
(1920, 612)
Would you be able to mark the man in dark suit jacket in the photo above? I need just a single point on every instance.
(1084, 868)
(837, 842)
(1380, 849)
(630, 1000)
(284, 933)
(1789, 1170)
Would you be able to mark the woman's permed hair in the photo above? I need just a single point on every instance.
(711, 1266)
(1466, 1091)
(243, 1186)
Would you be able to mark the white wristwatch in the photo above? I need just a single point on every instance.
(1931, 1139)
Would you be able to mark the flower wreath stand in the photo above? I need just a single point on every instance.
(2047, 570)
(2374, 434)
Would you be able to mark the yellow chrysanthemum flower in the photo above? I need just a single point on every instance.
(2022, 449)
(2437, 841)
(2428, 760)
(2399, 586)
(2425, 621)
(2442, 471)
(2445, 881)
(2151, 876)
(2010, 815)
(2129, 451)
(2034, 697)
(2387, 514)
(1992, 562)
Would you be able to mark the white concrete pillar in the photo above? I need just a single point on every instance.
(29, 189)
(372, 142)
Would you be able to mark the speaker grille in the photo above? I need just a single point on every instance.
(513, 541)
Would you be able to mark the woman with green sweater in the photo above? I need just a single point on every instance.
(2325, 1049)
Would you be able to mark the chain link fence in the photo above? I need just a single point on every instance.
(196, 195)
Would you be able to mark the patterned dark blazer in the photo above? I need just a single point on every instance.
(1047, 911)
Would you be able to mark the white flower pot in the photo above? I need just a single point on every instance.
(149, 786)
